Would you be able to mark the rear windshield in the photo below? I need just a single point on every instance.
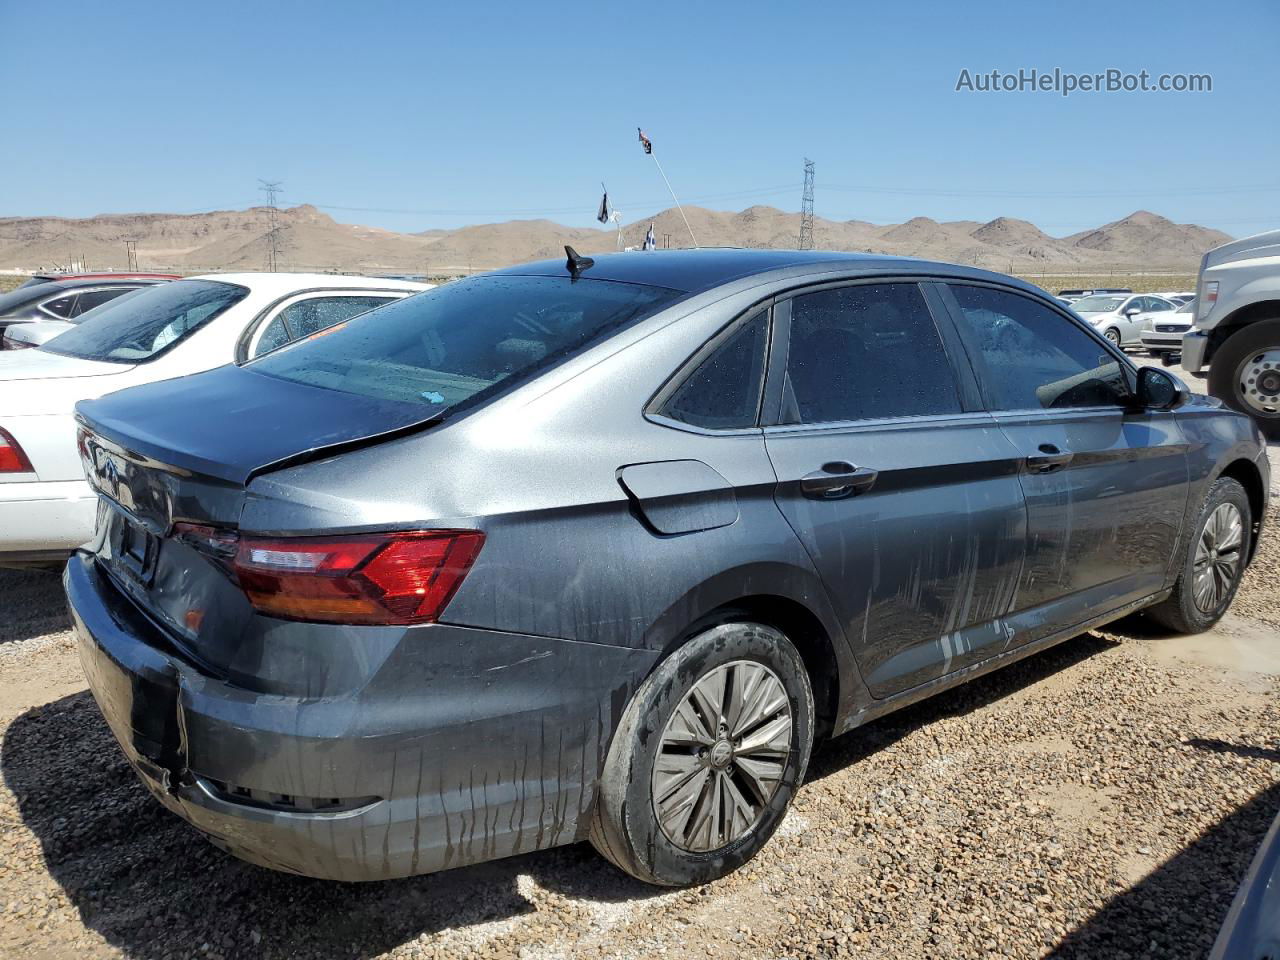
(463, 339)
(140, 327)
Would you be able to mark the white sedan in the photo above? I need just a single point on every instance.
(1121, 317)
(172, 330)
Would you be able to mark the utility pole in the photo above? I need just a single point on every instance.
(806, 208)
(131, 255)
(271, 188)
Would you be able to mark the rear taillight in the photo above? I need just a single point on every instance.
(12, 459)
(390, 578)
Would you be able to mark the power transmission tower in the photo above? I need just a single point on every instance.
(131, 254)
(806, 208)
(271, 188)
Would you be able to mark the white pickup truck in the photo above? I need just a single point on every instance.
(1237, 327)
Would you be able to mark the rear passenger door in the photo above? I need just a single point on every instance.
(1105, 483)
(302, 315)
(903, 491)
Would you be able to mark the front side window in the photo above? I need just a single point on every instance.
(865, 352)
(464, 339)
(723, 393)
(139, 328)
(1029, 357)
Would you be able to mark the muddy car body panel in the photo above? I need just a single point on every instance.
(902, 554)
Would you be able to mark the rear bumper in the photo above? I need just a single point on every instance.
(45, 518)
(1194, 348)
(496, 752)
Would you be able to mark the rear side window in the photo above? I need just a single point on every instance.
(60, 307)
(1030, 357)
(305, 317)
(723, 392)
(464, 339)
(96, 298)
(866, 352)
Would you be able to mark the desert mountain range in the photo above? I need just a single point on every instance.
(312, 240)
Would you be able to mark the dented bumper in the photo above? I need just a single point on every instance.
(466, 745)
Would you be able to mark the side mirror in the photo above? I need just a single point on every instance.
(1132, 311)
(1160, 390)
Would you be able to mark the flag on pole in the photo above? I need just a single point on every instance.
(650, 242)
(645, 141)
(603, 215)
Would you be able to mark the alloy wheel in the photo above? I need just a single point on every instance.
(1258, 381)
(1218, 558)
(722, 756)
(1113, 335)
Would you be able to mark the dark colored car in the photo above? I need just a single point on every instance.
(1252, 928)
(66, 297)
(598, 549)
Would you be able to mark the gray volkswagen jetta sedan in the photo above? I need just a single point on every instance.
(599, 549)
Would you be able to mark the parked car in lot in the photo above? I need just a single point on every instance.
(598, 549)
(1237, 328)
(63, 298)
(1252, 928)
(1163, 339)
(1121, 318)
(1078, 294)
(171, 330)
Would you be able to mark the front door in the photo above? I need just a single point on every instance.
(905, 496)
(1106, 485)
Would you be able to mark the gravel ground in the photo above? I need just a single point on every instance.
(1100, 800)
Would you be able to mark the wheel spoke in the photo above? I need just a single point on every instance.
(761, 774)
(681, 807)
(773, 738)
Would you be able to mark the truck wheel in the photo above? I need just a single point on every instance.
(1245, 374)
(707, 757)
(1214, 562)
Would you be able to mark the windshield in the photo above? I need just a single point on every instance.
(1098, 304)
(140, 327)
(463, 339)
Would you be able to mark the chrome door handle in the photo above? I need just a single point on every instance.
(837, 480)
(1049, 459)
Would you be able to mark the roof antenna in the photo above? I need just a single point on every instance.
(577, 262)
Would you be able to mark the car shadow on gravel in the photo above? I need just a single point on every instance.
(152, 886)
(31, 605)
(862, 742)
(1177, 910)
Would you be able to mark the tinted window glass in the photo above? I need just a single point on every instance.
(60, 307)
(25, 295)
(96, 298)
(865, 352)
(85, 314)
(274, 336)
(139, 328)
(1029, 357)
(464, 338)
(724, 391)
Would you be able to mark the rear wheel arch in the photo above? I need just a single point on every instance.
(807, 634)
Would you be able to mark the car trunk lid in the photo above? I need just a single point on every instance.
(171, 466)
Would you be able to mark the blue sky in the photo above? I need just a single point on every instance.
(418, 115)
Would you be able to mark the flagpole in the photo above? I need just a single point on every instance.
(674, 198)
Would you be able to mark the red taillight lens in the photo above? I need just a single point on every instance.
(12, 459)
(392, 578)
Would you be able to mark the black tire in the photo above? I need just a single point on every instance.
(625, 827)
(1179, 612)
(1251, 339)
